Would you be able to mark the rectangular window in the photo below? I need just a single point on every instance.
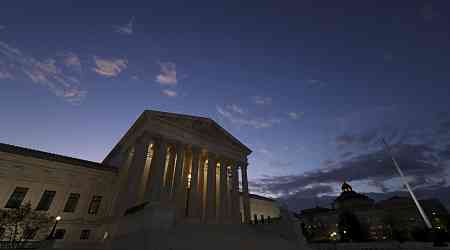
(85, 234)
(95, 204)
(59, 234)
(46, 200)
(29, 233)
(16, 198)
(72, 203)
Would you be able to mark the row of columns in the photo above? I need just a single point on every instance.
(165, 171)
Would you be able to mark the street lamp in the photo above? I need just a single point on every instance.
(51, 235)
(333, 237)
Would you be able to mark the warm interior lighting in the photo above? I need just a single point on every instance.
(189, 177)
(58, 218)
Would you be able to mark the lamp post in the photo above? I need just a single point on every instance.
(51, 235)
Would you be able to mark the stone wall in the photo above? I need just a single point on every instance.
(39, 175)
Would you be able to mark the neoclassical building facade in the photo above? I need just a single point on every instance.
(186, 168)
(188, 161)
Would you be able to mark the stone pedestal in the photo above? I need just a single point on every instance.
(145, 229)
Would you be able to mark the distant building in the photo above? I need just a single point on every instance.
(262, 209)
(377, 218)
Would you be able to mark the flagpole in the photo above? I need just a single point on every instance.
(405, 182)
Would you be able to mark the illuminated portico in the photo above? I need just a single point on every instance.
(188, 162)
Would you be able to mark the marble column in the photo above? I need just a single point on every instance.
(202, 186)
(180, 180)
(223, 193)
(136, 171)
(245, 195)
(235, 200)
(145, 174)
(211, 190)
(168, 184)
(229, 194)
(154, 188)
(194, 201)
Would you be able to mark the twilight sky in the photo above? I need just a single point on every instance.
(310, 86)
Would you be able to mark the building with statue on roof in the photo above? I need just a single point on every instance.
(379, 219)
(173, 181)
(349, 199)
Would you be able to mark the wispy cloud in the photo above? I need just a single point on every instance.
(262, 100)
(72, 60)
(169, 93)
(366, 138)
(109, 67)
(296, 115)
(61, 79)
(243, 119)
(264, 151)
(168, 74)
(126, 29)
(237, 109)
(2, 27)
(6, 71)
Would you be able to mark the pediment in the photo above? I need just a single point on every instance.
(201, 126)
(174, 125)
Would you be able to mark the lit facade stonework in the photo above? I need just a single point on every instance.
(167, 169)
(86, 184)
(188, 162)
(263, 209)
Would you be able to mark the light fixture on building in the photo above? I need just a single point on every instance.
(105, 235)
(51, 235)
(189, 177)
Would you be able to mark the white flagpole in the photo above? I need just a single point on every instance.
(405, 182)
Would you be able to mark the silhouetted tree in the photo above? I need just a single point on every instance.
(23, 223)
(307, 232)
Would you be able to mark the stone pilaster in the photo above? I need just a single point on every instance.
(245, 195)
(135, 172)
(119, 204)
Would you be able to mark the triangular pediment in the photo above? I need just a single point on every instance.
(200, 125)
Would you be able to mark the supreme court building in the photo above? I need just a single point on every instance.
(167, 169)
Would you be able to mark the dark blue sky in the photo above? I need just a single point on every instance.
(310, 86)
